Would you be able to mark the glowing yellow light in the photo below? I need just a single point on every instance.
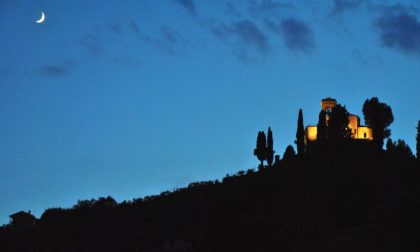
(311, 132)
(353, 125)
(364, 132)
(357, 131)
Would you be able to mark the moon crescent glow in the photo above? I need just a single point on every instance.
(42, 19)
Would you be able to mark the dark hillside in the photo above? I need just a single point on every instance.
(347, 198)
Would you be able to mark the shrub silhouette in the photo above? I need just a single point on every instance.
(289, 153)
(277, 160)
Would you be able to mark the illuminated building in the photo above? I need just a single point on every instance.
(357, 131)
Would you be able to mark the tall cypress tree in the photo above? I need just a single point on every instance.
(260, 150)
(270, 150)
(321, 134)
(300, 135)
(418, 141)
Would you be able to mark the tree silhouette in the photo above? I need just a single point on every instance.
(270, 151)
(378, 116)
(321, 134)
(338, 123)
(289, 153)
(300, 135)
(399, 149)
(418, 141)
(276, 159)
(260, 150)
(390, 146)
(402, 150)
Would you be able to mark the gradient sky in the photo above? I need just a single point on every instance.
(131, 98)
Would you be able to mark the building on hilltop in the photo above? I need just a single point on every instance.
(358, 131)
(22, 221)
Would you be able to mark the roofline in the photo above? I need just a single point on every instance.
(20, 213)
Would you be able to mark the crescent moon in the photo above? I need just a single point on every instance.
(42, 19)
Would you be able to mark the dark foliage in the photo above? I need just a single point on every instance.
(300, 135)
(338, 124)
(379, 116)
(390, 146)
(403, 150)
(270, 150)
(344, 199)
(399, 149)
(276, 159)
(332, 200)
(322, 127)
(289, 153)
(261, 149)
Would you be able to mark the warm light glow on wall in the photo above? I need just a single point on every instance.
(353, 124)
(364, 132)
(311, 132)
(357, 131)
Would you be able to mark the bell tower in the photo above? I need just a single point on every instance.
(328, 103)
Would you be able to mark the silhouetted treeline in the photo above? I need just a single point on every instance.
(344, 198)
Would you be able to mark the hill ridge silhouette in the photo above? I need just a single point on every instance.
(336, 193)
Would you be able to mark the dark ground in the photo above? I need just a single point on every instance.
(334, 198)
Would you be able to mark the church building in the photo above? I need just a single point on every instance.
(357, 131)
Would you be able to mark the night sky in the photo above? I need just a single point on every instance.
(132, 98)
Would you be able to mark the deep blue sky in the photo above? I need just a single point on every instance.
(131, 98)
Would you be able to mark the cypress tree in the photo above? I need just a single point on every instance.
(300, 135)
(260, 150)
(270, 150)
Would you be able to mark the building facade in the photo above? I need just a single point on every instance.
(358, 131)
